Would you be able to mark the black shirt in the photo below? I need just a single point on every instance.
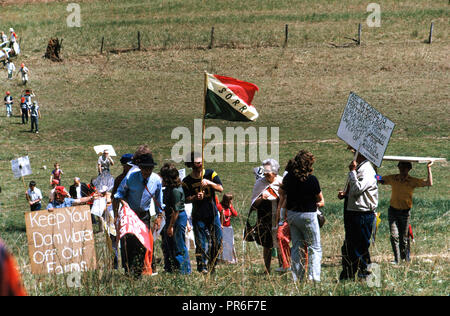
(206, 209)
(301, 196)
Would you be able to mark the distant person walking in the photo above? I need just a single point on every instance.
(8, 104)
(399, 211)
(12, 37)
(10, 67)
(24, 108)
(34, 197)
(35, 115)
(24, 71)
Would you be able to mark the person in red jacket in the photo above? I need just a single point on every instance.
(10, 280)
(227, 211)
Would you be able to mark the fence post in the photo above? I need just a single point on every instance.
(286, 34)
(359, 33)
(211, 43)
(139, 40)
(430, 37)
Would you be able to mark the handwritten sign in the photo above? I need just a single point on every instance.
(131, 224)
(61, 241)
(365, 129)
(21, 167)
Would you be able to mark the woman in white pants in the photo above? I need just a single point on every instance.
(303, 198)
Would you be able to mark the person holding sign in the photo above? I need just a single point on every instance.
(361, 201)
(399, 211)
(62, 199)
(136, 191)
(34, 197)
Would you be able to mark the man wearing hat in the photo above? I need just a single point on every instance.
(136, 191)
(62, 199)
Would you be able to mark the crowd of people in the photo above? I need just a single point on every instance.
(286, 204)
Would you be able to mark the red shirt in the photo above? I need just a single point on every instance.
(226, 212)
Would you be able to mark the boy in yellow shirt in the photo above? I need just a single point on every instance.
(403, 186)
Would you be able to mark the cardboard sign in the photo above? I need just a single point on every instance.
(61, 241)
(365, 129)
(100, 148)
(130, 223)
(21, 167)
(413, 159)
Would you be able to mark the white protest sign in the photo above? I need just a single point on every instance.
(21, 167)
(61, 241)
(414, 159)
(182, 173)
(98, 207)
(100, 148)
(365, 129)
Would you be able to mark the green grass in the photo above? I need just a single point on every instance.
(140, 97)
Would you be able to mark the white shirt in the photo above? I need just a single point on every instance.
(35, 194)
(363, 193)
(11, 67)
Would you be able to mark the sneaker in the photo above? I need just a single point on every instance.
(37, 132)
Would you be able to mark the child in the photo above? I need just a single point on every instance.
(56, 174)
(399, 211)
(227, 211)
(24, 71)
(24, 108)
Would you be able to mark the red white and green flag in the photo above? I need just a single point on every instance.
(229, 99)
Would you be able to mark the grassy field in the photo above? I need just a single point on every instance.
(126, 99)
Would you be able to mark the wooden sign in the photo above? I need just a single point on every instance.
(61, 241)
(413, 159)
(365, 129)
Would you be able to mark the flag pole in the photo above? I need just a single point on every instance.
(205, 87)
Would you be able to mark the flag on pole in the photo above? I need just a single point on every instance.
(229, 99)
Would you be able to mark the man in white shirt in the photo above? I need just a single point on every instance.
(34, 197)
(24, 71)
(361, 201)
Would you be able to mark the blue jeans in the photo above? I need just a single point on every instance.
(34, 123)
(355, 250)
(305, 230)
(208, 243)
(9, 109)
(176, 254)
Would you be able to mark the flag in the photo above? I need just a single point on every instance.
(229, 99)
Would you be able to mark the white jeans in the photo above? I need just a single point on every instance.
(305, 231)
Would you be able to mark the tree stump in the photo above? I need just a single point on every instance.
(54, 49)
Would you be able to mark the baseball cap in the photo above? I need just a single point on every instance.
(126, 158)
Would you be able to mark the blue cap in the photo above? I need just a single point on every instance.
(126, 158)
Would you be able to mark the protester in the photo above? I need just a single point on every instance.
(104, 162)
(303, 198)
(10, 67)
(8, 103)
(24, 71)
(265, 198)
(176, 255)
(200, 187)
(361, 201)
(34, 197)
(136, 191)
(10, 279)
(12, 37)
(399, 211)
(124, 161)
(3, 36)
(56, 173)
(35, 114)
(51, 195)
(24, 108)
(78, 189)
(62, 199)
(227, 211)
